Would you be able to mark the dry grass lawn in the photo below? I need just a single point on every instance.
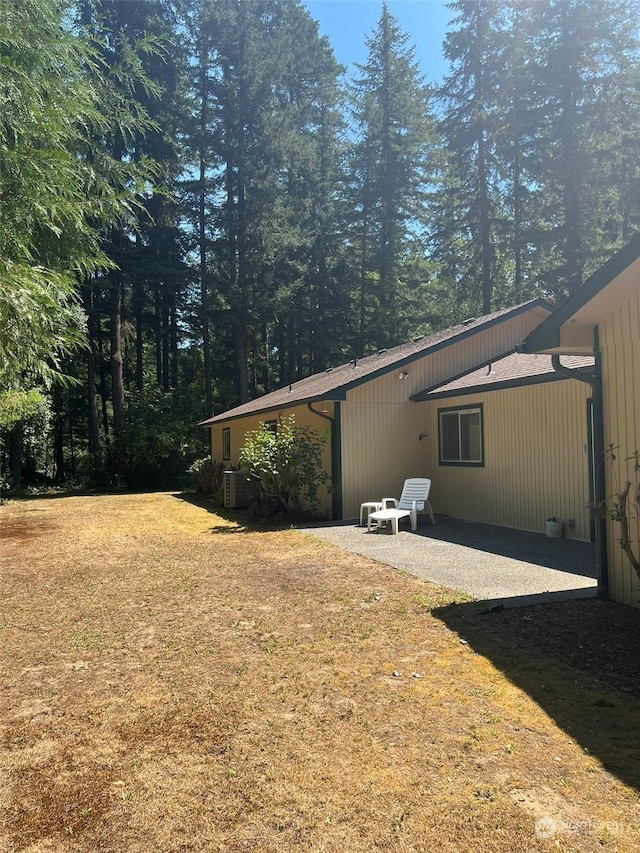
(174, 681)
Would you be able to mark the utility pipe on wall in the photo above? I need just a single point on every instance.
(595, 381)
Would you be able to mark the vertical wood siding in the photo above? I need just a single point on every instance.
(620, 346)
(380, 450)
(381, 426)
(535, 459)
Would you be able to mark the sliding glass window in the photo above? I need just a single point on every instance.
(460, 436)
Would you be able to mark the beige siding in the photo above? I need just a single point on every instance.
(381, 426)
(380, 449)
(238, 429)
(620, 346)
(535, 452)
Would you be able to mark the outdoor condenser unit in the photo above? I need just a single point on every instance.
(236, 490)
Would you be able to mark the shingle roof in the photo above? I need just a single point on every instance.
(332, 384)
(510, 370)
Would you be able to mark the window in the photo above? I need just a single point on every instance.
(272, 426)
(460, 436)
(226, 444)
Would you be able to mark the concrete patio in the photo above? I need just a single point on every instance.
(489, 563)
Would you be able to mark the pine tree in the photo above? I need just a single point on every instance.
(472, 178)
(583, 96)
(391, 166)
(268, 77)
(310, 300)
(148, 273)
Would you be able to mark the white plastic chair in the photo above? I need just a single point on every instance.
(414, 499)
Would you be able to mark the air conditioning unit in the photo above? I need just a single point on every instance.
(237, 490)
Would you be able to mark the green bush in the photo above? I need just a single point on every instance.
(288, 466)
(207, 475)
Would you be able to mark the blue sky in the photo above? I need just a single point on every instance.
(346, 22)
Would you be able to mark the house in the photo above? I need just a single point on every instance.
(503, 437)
(602, 319)
(534, 463)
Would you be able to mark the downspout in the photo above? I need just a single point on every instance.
(336, 458)
(595, 381)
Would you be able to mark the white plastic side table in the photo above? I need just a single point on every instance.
(369, 506)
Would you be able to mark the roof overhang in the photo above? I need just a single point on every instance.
(571, 329)
(336, 396)
(507, 384)
(300, 393)
(511, 370)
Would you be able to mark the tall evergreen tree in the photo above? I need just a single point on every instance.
(391, 167)
(266, 77)
(310, 300)
(201, 188)
(59, 186)
(584, 98)
(472, 179)
(144, 287)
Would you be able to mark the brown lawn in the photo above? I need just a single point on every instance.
(174, 681)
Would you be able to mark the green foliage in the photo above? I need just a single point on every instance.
(288, 465)
(152, 451)
(56, 185)
(391, 164)
(61, 187)
(538, 113)
(238, 218)
(25, 417)
(16, 406)
(207, 475)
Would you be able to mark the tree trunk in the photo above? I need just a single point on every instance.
(518, 248)
(138, 305)
(173, 342)
(166, 337)
(570, 189)
(157, 334)
(362, 335)
(117, 386)
(15, 456)
(241, 374)
(93, 426)
(481, 164)
(103, 383)
(202, 236)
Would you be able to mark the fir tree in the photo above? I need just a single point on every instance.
(390, 170)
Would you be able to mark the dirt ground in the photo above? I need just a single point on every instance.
(174, 680)
(597, 638)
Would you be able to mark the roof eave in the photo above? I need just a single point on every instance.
(485, 388)
(225, 417)
(546, 338)
(339, 392)
(520, 309)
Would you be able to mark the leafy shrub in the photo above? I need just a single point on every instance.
(288, 466)
(207, 475)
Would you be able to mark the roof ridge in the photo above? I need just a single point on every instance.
(334, 383)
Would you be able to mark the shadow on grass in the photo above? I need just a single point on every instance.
(243, 520)
(578, 660)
